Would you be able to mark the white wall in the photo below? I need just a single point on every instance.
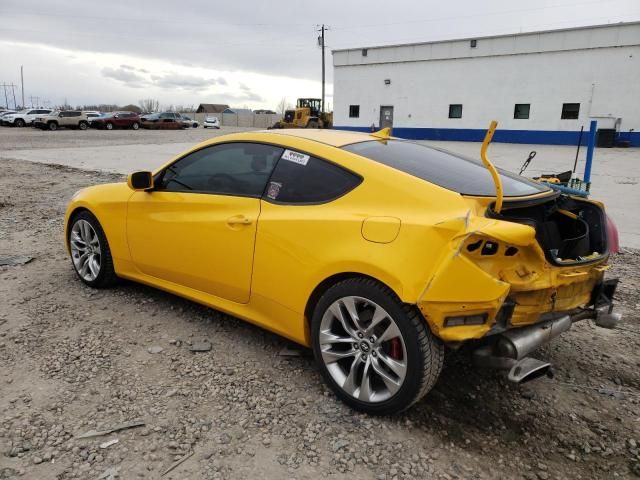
(543, 69)
(489, 87)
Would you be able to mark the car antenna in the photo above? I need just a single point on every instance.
(487, 163)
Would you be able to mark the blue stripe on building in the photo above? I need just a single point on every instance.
(545, 137)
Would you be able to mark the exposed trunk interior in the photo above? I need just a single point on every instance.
(568, 229)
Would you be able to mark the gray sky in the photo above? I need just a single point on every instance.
(244, 53)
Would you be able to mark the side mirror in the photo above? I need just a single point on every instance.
(140, 181)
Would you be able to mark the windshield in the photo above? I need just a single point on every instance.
(446, 169)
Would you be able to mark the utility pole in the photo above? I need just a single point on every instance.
(13, 91)
(322, 45)
(6, 102)
(22, 83)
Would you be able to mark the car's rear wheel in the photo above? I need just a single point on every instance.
(90, 251)
(83, 125)
(376, 353)
(135, 126)
(109, 126)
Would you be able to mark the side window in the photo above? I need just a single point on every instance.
(231, 168)
(300, 178)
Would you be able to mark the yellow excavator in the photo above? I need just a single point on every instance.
(307, 114)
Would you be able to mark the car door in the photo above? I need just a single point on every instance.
(197, 227)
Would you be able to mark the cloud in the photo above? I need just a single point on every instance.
(126, 76)
(185, 82)
(129, 67)
(139, 77)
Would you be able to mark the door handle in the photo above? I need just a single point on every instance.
(239, 220)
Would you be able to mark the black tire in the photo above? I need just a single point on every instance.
(135, 126)
(83, 125)
(53, 126)
(107, 276)
(312, 124)
(109, 126)
(19, 123)
(424, 352)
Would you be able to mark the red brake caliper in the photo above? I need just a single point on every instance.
(396, 349)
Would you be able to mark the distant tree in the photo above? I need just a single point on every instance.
(149, 105)
(282, 106)
(131, 108)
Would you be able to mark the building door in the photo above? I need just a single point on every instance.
(386, 116)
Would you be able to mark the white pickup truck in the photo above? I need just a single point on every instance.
(24, 117)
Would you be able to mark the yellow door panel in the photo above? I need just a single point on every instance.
(201, 241)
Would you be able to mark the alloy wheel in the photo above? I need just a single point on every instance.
(85, 250)
(363, 349)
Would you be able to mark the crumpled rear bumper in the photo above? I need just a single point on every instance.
(515, 282)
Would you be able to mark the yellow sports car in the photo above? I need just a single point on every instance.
(376, 252)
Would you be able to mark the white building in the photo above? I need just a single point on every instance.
(540, 86)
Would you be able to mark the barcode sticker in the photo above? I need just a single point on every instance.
(295, 157)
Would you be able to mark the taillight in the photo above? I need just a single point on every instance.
(613, 240)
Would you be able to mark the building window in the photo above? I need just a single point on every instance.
(522, 110)
(474, 43)
(455, 110)
(354, 111)
(570, 111)
(364, 52)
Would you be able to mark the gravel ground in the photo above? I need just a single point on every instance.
(30, 138)
(74, 360)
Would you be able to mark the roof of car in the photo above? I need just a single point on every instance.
(335, 138)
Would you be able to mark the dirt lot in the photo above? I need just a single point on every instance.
(74, 360)
(31, 138)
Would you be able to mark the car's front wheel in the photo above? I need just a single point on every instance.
(109, 126)
(375, 352)
(135, 126)
(20, 123)
(90, 251)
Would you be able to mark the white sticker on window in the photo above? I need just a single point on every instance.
(295, 157)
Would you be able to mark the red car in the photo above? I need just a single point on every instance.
(117, 120)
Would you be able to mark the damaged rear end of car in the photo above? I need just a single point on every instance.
(521, 264)
(535, 265)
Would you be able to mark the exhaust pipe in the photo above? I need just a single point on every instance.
(519, 342)
(510, 350)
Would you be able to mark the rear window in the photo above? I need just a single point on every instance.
(302, 179)
(446, 169)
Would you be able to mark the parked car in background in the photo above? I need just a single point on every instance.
(7, 112)
(211, 122)
(92, 115)
(24, 117)
(163, 121)
(189, 122)
(113, 120)
(64, 119)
